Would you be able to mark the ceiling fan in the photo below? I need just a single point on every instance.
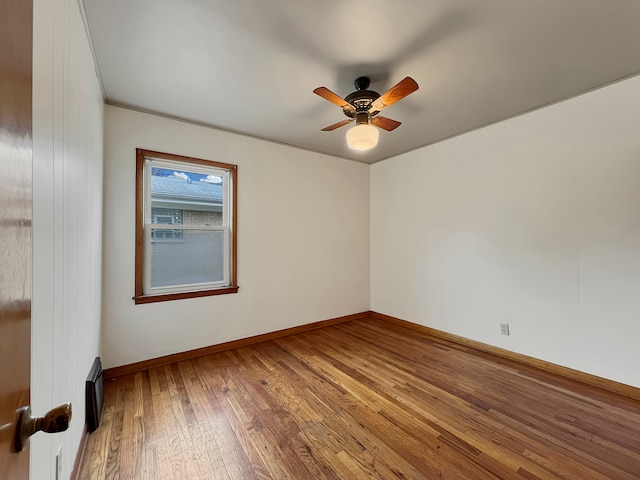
(364, 107)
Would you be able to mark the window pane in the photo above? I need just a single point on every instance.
(186, 197)
(196, 257)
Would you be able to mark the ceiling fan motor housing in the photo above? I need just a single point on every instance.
(361, 99)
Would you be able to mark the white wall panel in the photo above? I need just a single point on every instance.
(533, 222)
(303, 240)
(67, 224)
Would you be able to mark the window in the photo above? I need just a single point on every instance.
(185, 227)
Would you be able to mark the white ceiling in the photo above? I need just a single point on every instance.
(250, 66)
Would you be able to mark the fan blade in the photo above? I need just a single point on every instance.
(385, 123)
(327, 94)
(395, 93)
(337, 125)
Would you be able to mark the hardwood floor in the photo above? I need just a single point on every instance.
(360, 400)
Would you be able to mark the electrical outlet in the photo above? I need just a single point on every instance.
(504, 329)
(59, 463)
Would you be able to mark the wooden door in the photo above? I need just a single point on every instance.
(16, 39)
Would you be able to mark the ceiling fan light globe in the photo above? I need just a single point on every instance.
(362, 137)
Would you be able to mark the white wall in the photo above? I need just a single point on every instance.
(67, 225)
(303, 240)
(534, 222)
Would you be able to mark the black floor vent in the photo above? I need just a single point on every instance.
(94, 395)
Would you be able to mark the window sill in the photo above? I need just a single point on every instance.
(183, 295)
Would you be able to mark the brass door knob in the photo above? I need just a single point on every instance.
(55, 420)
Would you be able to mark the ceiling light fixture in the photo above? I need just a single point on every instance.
(363, 136)
(364, 107)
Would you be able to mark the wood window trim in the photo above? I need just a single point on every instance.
(139, 296)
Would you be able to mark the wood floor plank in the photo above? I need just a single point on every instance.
(97, 463)
(364, 399)
(514, 390)
(112, 467)
(206, 450)
(443, 425)
(366, 411)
